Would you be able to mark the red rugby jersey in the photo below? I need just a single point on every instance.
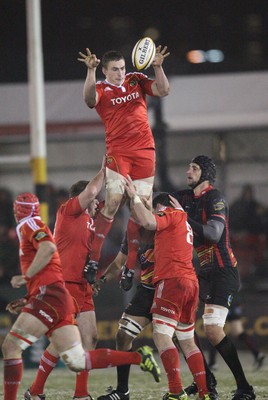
(31, 232)
(73, 233)
(123, 111)
(173, 249)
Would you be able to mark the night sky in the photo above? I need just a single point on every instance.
(239, 29)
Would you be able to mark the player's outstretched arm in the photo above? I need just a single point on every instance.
(160, 55)
(160, 87)
(93, 188)
(91, 62)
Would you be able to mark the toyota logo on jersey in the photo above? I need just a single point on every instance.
(124, 99)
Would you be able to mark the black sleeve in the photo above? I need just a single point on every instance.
(212, 231)
(197, 227)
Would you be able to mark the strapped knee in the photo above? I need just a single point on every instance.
(130, 327)
(163, 325)
(23, 339)
(114, 182)
(74, 358)
(144, 186)
(217, 316)
(184, 331)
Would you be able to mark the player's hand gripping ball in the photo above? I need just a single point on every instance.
(143, 53)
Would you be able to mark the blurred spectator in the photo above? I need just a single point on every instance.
(246, 213)
(9, 260)
(247, 227)
(6, 209)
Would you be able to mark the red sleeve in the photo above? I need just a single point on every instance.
(71, 207)
(168, 218)
(145, 83)
(164, 219)
(37, 233)
(99, 91)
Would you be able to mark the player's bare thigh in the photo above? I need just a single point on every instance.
(65, 337)
(88, 329)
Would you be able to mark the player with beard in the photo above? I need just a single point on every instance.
(208, 215)
(176, 289)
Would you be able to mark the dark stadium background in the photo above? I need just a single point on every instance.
(237, 28)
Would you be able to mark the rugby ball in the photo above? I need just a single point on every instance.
(143, 53)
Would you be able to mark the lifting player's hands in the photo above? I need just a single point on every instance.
(174, 202)
(160, 55)
(148, 203)
(15, 306)
(130, 187)
(89, 59)
(17, 281)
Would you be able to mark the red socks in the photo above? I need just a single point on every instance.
(12, 377)
(171, 362)
(105, 358)
(197, 368)
(81, 384)
(47, 363)
(103, 226)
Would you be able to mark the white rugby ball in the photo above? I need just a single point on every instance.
(143, 53)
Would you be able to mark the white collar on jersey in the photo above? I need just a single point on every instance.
(117, 86)
(22, 222)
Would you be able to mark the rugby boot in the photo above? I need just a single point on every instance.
(148, 362)
(114, 395)
(192, 390)
(29, 396)
(180, 396)
(244, 394)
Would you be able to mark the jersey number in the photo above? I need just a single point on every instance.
(90, 225)
(190, 235)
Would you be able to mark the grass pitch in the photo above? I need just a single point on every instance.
(60, 384)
